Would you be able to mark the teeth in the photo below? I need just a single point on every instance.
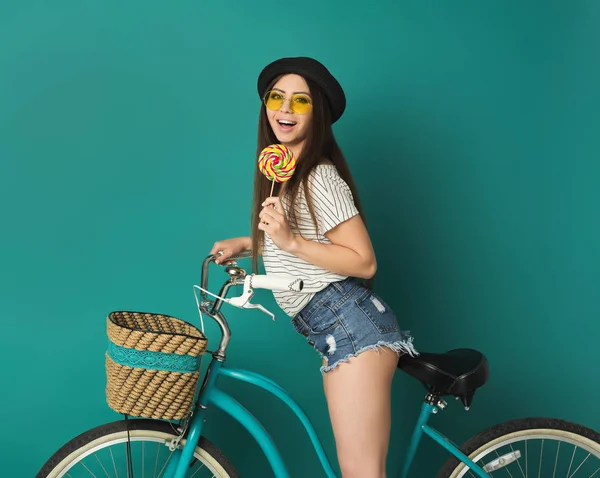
(291, 123)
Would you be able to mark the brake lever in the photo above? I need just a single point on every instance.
(243, 300)
(259, 307)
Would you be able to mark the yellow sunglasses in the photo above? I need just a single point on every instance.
(299, 102)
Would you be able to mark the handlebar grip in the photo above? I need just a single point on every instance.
(277, 282)
(241, 255)
(233, 258)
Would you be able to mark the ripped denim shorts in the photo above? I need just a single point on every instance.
(347, 318)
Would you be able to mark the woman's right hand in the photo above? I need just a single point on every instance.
(230, 247)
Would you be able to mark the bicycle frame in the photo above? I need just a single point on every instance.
(423, 428)
(210, 394)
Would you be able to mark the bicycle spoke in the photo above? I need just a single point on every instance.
(526, 462)
(88, 470)
(572, 458)
(505, 468)
(158, 447)
(595, 472)
(114, 464)
(199, 468)
(556, 460)
(541, 454)
(580, 465)
(166, 463)
(103, 469)
(518, 462)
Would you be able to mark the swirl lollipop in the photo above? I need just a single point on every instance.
(277, 162)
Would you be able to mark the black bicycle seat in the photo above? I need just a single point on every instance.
(458, 372)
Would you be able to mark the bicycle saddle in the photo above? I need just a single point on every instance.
(458, 372)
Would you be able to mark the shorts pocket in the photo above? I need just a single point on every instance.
(300, 326)
(322, 321)
(378, 312)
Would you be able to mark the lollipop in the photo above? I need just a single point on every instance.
(277, 162)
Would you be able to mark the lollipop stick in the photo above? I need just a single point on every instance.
(272, 187)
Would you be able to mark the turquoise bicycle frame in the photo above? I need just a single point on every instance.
(211, 395)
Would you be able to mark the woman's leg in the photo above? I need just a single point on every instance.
(358, 399)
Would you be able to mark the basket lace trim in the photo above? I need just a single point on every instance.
(153, 360)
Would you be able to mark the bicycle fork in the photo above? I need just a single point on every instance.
(182, 457)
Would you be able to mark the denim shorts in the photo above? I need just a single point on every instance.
(347, 318)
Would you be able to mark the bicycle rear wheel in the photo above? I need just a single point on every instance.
(531, 447)
(104, 451)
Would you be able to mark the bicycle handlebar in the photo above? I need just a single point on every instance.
(241, 255)
(238, 276)
(211, 258)
(278, 282)
(275, 282)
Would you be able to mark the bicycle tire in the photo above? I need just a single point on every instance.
(115, 432)
(479, 445)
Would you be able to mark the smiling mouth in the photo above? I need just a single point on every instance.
(286, 123)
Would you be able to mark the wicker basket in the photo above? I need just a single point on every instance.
(152, 364)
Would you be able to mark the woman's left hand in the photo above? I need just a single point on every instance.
(274, 222)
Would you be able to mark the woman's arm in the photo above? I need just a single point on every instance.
(351, 252)
(231, 247)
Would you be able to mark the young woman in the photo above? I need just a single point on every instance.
(312, 227)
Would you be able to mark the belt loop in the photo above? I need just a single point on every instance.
(338, 285)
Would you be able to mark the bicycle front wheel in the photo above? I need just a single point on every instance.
(132, 448)
(531, 447)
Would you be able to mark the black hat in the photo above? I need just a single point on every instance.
(309, 68)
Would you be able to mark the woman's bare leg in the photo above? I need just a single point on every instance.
(358, 398)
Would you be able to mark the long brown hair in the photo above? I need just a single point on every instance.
(320, 146)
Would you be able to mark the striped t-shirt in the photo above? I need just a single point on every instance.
(333, 204)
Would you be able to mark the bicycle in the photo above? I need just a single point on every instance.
(503, 448)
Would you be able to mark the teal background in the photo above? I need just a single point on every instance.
(127, 137)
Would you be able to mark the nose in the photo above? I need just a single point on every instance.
(287, 105)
